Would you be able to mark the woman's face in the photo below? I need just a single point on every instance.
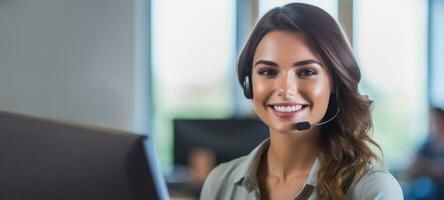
(290, 82)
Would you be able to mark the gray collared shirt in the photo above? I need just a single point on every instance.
(237, 180)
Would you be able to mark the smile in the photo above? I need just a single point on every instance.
(287, 110)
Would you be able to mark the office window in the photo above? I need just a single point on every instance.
(390, 42)
(192, 53)
(436, 51)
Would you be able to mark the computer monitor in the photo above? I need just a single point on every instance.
(227, 138)
(42, 159)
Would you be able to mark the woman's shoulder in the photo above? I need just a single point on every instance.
(221, 177)
(376, 183)
(228, 170)
(238, 168)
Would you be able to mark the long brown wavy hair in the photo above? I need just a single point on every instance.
(345, 141)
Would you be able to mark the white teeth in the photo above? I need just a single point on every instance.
(287, 108)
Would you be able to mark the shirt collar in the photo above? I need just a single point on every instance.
(313, 173)
(246, 174)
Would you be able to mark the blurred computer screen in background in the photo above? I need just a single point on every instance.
(201, 144)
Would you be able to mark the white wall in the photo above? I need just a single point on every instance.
(70, 60)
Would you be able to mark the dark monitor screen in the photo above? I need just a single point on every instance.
(41, 159)
(227, 138)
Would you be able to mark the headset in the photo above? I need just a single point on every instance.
(247, 87)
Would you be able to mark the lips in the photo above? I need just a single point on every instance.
(287, 110)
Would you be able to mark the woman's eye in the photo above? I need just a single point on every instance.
(306, 73)
(267, 73)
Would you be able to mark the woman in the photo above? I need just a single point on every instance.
(297, 67)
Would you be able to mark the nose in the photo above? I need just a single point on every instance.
(287, 85)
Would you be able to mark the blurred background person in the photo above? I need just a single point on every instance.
(425, 175)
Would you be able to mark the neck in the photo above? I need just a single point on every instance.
(292, 154)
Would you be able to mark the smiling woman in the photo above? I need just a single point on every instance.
(297, 67)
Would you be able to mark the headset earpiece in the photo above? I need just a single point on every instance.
(246, 86)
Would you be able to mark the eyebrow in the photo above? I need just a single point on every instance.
(296, 64)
